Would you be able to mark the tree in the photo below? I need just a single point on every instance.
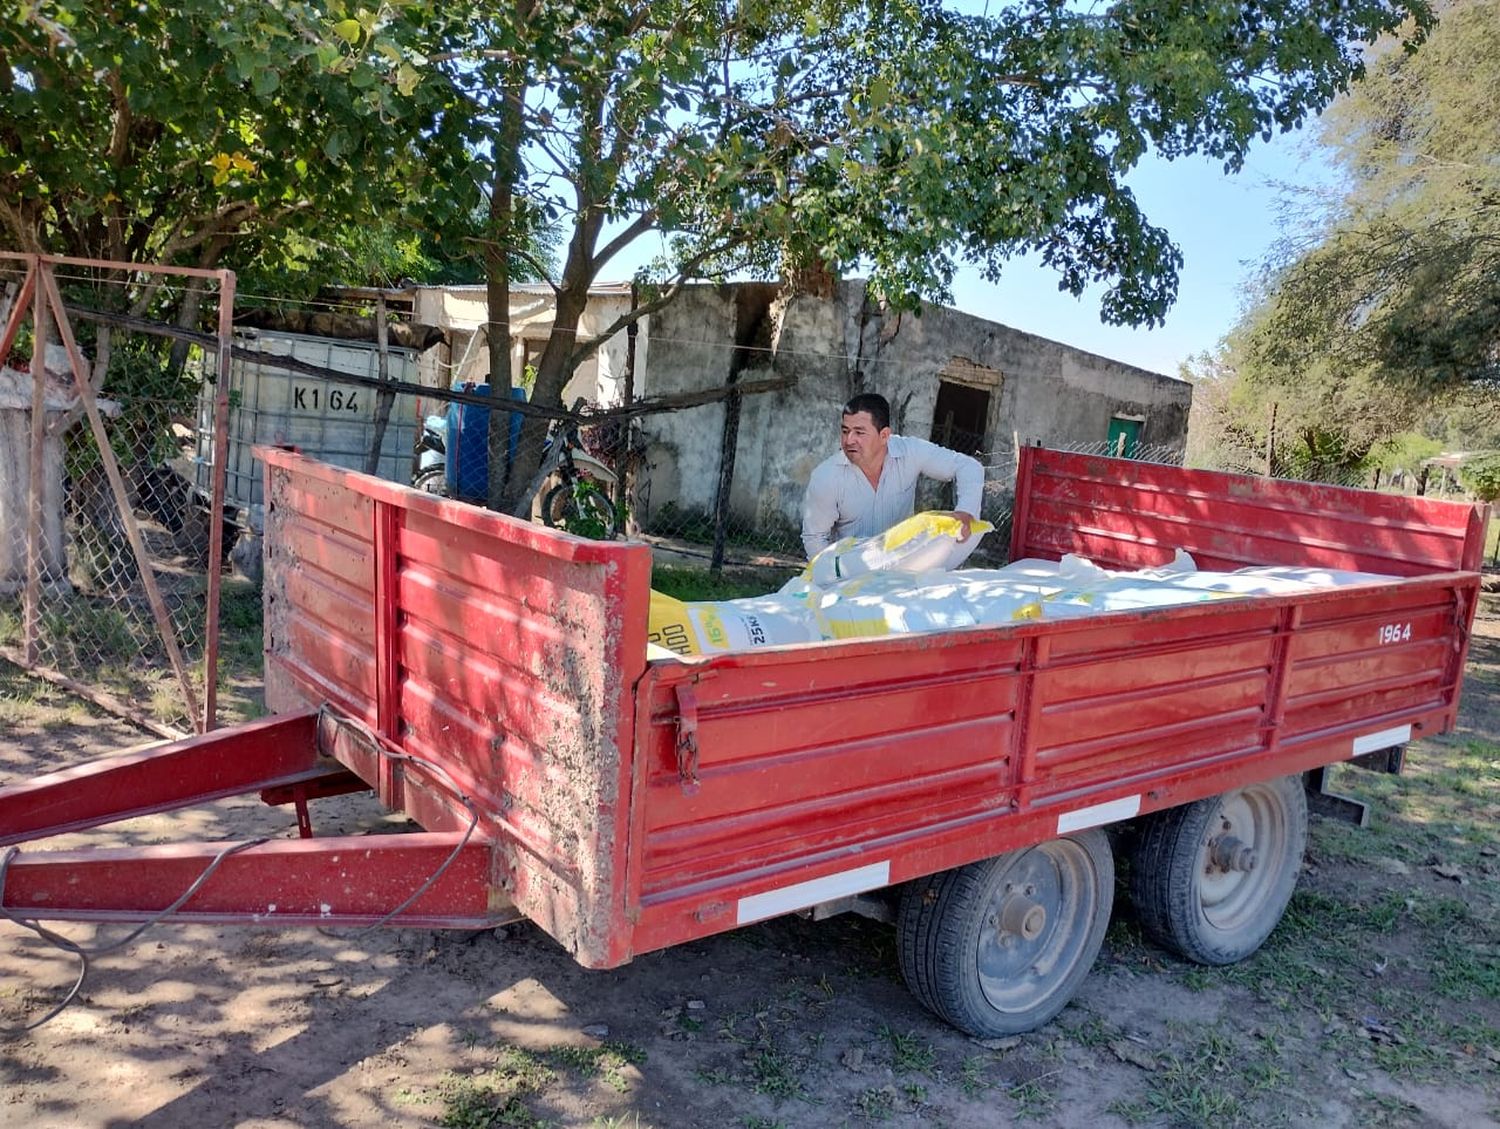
(1401, 285)
(1481, 477)
(203, 133)
(900, 138)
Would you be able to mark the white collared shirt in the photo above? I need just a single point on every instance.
(840, 501)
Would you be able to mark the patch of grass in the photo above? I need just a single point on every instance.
(876, 1104)
(1179, 1095)
(973, 1075)
(496, 1097)
(775, 1073)
(1032, 1099)
(607, 1061)
(909, 1053)
(699, 584)
(1465, 968)
(241, 633)
(80, 634)
(165, 702)
(1388, 1110)
(1209, 1082)
(1093, 1032)
(31, 703)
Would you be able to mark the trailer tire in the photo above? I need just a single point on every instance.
(999, 947)
(1196, 889)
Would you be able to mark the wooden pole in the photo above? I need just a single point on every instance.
(32, 608)
(385, 397)
(1271, 444)
(625, 454)
(17, 316)
(219, 473)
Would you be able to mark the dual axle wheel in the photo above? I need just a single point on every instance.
(999, 947)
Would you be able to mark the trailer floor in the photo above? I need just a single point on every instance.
(1377, 1002)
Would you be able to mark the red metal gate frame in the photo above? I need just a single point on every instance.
(40, 294)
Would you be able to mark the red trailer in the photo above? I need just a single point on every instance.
(489, 678)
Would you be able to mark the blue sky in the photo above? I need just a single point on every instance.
(1224, 225)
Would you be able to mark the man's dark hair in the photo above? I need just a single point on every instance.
(874, 403)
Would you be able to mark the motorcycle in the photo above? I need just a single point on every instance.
(430, 460)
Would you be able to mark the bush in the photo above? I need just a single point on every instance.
(1480, 476)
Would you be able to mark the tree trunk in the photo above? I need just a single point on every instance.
(554, 369)
(497, 283)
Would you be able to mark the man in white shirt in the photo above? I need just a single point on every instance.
(871, 484)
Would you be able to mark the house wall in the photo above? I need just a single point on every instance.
(461, 311)
(1045, 391)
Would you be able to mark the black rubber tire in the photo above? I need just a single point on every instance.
(992, 977)
(561, 503)
(433, 480)
(1206, 908)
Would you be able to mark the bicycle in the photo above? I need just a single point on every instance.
(580, 501)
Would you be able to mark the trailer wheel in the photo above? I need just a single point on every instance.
(999, 947)
(1211, 879)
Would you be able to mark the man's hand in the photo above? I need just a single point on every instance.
(968, 521)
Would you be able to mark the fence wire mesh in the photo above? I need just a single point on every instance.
(105, 557)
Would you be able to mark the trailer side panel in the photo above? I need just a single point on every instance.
(501, 652)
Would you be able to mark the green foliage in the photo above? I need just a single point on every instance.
(1405, 451)
(199, 133)
(588, 512)
(1480, 476)
(905, 138)
(1403, 284)
(1378, 332)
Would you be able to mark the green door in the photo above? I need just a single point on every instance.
(1124, 436)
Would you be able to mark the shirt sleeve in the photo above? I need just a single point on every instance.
(820, 510)
(965, 471)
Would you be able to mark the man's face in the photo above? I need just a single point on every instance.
(863, 443)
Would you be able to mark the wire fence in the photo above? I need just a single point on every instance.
(106, 545)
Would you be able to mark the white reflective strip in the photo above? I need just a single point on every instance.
(1123, 808)
(758, 907)
(1385, 739)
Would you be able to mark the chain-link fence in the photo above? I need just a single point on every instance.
(107, 548)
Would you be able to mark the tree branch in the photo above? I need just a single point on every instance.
(586, 349)
(642, 224)
(519, 252)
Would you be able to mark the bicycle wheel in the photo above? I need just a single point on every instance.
(580, 509)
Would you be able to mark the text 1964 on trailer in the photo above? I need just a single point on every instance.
(489, 678)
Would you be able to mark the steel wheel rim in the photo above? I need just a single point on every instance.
(1037, 925)
(1230, 897)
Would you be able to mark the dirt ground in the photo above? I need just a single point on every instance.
(1377, 1001)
